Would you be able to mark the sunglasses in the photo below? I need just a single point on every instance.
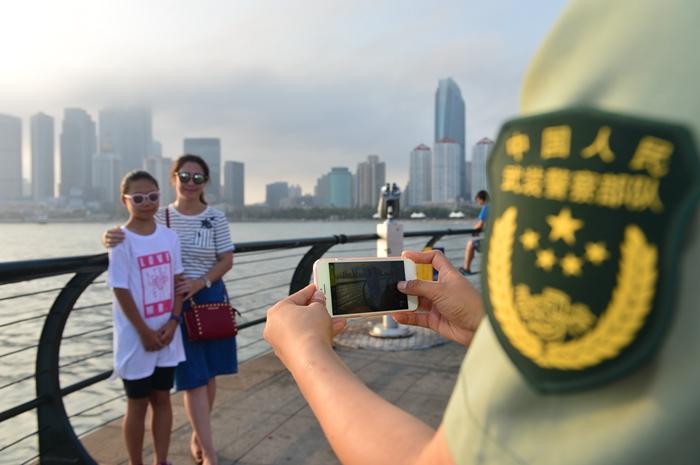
(140, 198)
(197, 178)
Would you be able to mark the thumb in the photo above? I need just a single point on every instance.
(303, 296)
(420, 288)
(338, 325)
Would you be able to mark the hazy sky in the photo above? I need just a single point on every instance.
(292, 88)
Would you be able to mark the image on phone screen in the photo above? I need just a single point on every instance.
(362, 287)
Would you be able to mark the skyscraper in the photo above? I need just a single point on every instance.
(41, 128)
(209, 148)
(106, 177)
(420, 175)
(371, 176)
(11, 157)
(159, 167)
(450, 122)
(334, 189)
(445, 172)
(234, 183)
(128, 133)
(78, 145)
(480, 156)
(275, 193)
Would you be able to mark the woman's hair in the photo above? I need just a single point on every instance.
(133, 176)
(189, 158)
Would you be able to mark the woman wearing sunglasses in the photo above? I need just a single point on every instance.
(207, 254)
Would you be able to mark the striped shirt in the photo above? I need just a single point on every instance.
(202, 238)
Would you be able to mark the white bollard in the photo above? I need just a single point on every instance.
(389, 244)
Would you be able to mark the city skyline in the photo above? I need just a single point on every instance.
(279, 87)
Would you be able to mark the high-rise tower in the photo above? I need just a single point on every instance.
(41, 128)
(78, 146)
(371, 176)
(480, 156)
(11, 157)
(450, 122)
(420, 175)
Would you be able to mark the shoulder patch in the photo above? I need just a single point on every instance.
(587, 219)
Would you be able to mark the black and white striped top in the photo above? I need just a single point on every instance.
(202, 238)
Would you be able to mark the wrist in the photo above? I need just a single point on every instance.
(176, 318)
(305, 352)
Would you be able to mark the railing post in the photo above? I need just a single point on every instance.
(58, 443)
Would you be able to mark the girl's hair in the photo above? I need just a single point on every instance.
(135, 175)
(189, 158)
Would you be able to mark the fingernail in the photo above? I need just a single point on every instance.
(319, 296)
(401, 285)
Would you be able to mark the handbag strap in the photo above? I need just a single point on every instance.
(167, 216)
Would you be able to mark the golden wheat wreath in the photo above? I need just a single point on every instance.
(616, 327)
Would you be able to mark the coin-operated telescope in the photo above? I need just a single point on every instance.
(389, 202)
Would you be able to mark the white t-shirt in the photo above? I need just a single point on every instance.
(146, 266)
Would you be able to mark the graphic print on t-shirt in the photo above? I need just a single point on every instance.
(156, 279)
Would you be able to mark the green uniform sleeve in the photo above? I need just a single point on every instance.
(639, 58)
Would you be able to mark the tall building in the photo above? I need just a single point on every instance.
(370, 177)
(159, 167)
(275, 193)
(209, 148)
(11, 157)
(156, 149)
(420, 174)
(128, 133)
(445, 172)
(234, 183)
(480, 157)
(78, 146)
(450, 122)
(106, 177)
(334, 189)
(41, 128)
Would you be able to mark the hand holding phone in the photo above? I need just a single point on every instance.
(364, 286)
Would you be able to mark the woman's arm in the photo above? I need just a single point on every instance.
(189, 287)
(361, 426)
(149, 338)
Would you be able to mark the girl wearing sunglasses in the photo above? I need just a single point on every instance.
(147, 309)
(207, 254)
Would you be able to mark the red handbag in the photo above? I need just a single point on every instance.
(208, 322)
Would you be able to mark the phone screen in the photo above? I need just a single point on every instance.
(362, 287)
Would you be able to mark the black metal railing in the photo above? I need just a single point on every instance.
(58, 442)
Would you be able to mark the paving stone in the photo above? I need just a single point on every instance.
(260, 417)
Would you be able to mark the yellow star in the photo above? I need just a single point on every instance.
(571, 265)
(564, 226)
(596, 252)
(546, 259)
(530, 239)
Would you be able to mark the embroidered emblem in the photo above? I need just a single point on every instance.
(588, 211)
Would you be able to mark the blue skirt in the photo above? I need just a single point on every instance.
(205, 359)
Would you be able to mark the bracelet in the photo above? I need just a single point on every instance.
(177, 318)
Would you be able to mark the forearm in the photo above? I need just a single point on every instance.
(128, 306)
(362, 427)
(222, 266)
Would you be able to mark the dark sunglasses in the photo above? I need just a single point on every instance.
(139, 198)
(197, 178)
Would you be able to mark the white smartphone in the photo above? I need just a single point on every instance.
(364, 286)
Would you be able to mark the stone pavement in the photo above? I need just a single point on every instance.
(260, 417)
